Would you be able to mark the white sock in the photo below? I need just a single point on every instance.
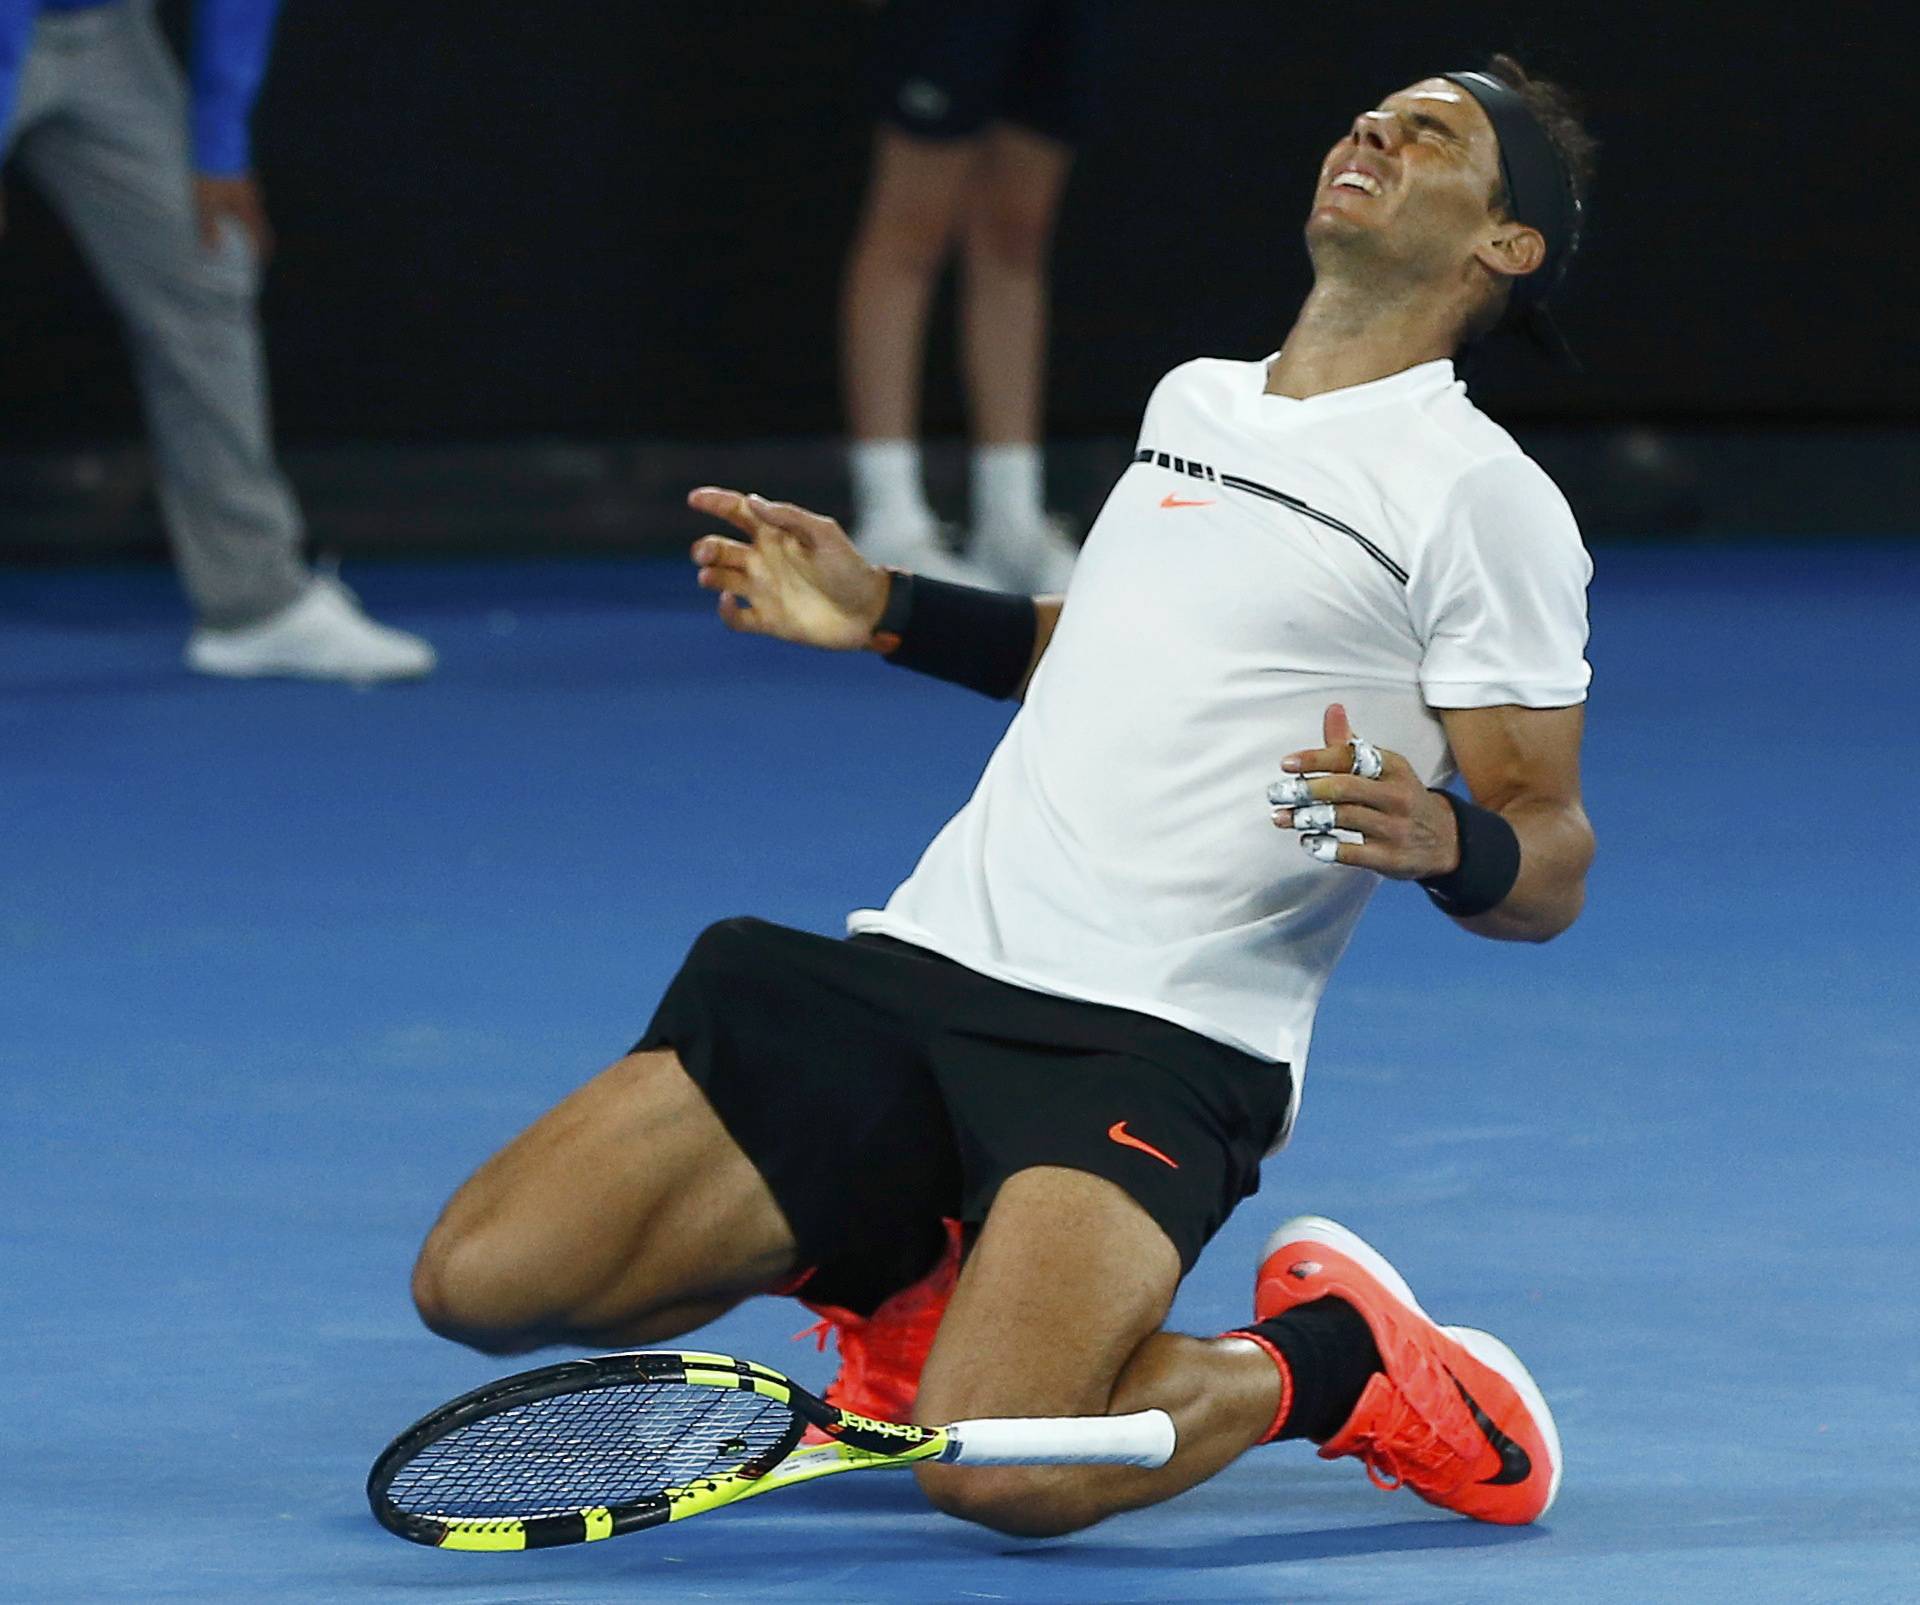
(1009, 488)
(887, 487)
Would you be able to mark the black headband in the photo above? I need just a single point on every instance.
(1539, 188)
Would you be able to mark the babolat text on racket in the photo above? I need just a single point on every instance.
(591, 1448)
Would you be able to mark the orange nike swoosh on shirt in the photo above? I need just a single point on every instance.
(1177, 501)
(1119, 1133)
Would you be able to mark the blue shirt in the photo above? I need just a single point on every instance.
(230, 43)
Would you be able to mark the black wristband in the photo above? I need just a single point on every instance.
(1489, 861)
(892, 623)
(982, 640)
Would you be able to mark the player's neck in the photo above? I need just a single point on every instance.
(1349, 334)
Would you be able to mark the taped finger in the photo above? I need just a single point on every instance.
(1289, 791)
(1322, 846)
(1317, 816)
(1367, 762)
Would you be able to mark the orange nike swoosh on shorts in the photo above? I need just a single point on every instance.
(1171, 500)
(1119, 1133)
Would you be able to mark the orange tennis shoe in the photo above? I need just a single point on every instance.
(883, 1354)
(1453, 1414)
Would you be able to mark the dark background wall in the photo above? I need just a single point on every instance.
(499, 219)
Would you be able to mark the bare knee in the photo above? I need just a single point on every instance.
(619, 1211)
(624, 1216)
(463, 1292)
(1021, 1501)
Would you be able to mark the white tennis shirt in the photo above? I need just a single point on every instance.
(1387, 546)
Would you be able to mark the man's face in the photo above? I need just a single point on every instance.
(1413, 181)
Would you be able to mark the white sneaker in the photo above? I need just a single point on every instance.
(1037, 558)
(324, 635)
(919, 549)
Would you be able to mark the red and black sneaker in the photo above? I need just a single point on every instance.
(882, 1354)
(1453, 1414)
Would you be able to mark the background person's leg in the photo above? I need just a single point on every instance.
(116, 166)
(40, 84)
(916, 196)
(623, 1216)
(1058, 1312)
(917, 193)
(1008, 240)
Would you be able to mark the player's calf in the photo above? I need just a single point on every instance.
(1220, 1393)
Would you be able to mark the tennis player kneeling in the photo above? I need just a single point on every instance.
(987, 1134)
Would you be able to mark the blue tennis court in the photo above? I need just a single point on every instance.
(282, 963)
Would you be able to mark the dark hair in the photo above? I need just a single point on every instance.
(1557, 112)
(1558, 115)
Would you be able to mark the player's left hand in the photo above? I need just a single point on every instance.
(1406, 833)
(237, 199)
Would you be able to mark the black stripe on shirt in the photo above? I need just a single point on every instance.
(1255, 488)
(1148, 455)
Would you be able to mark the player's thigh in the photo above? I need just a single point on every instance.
(626, 1198)
(1068, 1277)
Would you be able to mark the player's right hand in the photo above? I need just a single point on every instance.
(796, 577)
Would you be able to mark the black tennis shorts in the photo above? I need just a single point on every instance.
(879, 1087)
(945, 69)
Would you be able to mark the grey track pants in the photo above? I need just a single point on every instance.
(100, 124)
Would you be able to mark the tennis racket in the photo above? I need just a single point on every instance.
(591, 1448)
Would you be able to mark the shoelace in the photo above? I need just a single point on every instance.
(851, 1379)
(852, 1371)
(1405, 1438)
(1382, 1470)
(853, 1356)
(892, 1345)
(879, 1366)
(853, 1360)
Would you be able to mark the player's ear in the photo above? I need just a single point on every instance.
(1512, 250)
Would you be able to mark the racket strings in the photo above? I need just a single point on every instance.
(611, 1446)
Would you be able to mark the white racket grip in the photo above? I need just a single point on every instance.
(1145, 1439)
